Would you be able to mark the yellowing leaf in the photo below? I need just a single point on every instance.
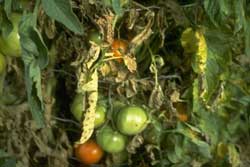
(188, 41)
(234, 158)
(105, 69)
(92, 84)
(89, 116)
(201, 54)
(194, 43)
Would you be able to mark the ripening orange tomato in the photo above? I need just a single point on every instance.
(181, 111)
(119, 48)
(89, 152)
(182, 117)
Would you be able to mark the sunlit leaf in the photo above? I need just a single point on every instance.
(61, 11)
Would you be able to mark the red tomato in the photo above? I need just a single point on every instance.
(89, 152)
(119, 48)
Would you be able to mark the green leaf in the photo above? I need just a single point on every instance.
(203, 147)
(247, 36)
(35, 57)
(8, 162)
(3, 154)
(212, 9)
(61, 11)
(239, 14)
(7, 7)
(5, 24)
(117, 7)
(218, 11)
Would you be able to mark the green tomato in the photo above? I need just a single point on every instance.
(2, 63)
(10, 45)
(77, 111)
(95, 36)
(100, 115)
(77, 107)
(131, 120)
(111, 141)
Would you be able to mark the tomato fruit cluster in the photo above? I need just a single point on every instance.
(129, 120)
(10, 45)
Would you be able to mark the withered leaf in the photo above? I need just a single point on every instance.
(130, 62)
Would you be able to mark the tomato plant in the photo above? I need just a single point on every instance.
(119, 48)
(111, 141)
(89, 152)
(2, 63)
(95, 36)
(131, 120)
(185, 61)
(10, 45)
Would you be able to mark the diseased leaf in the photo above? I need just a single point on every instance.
(156, 98)
(89, 116)
(88, 84)
(61, 11)
(130, 62)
